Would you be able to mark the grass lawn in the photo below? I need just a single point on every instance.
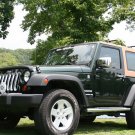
(99, 127)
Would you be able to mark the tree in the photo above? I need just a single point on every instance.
(7, 59)
(80, 20)
(6, 15)
(23, 56)
(15, 57)
(75, 20)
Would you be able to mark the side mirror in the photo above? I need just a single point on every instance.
(104, 62)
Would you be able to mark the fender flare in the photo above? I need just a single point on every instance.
(131, 97)
(38, 80)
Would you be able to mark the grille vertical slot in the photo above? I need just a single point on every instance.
(9, 82)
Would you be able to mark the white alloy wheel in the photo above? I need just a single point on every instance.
(58, 114)
(62, 114)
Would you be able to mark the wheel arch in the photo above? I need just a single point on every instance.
(58, 81)
(71, 86)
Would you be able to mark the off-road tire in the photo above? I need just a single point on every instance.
(130, 118)
(9, 121)
(45, 121)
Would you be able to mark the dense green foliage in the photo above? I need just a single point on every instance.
(79, 20)
(6, 15)
(23, 56)
(73, 21)
(7, 59)
(15, 57)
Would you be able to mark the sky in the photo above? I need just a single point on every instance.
(17, 38)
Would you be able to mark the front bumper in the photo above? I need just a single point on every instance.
(20, 100)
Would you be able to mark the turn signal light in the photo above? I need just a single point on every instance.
(46, 81)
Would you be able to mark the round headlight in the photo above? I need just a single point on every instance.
(26, 76)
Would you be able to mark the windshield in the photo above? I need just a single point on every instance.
(76, 55)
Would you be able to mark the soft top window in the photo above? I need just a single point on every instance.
(130, 56)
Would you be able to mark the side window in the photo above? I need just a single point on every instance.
(130, 56)
(114, 54)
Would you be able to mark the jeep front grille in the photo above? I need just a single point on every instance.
(9, 82)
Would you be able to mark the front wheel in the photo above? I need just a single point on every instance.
(58, 113)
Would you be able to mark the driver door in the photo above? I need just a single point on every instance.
(108, 89)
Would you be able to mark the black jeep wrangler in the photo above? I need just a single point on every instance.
(76, 83)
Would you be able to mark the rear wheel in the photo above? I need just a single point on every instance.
(58, 113)
(130, 118)
(8, 121)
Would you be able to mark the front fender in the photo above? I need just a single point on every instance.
(38, 80)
